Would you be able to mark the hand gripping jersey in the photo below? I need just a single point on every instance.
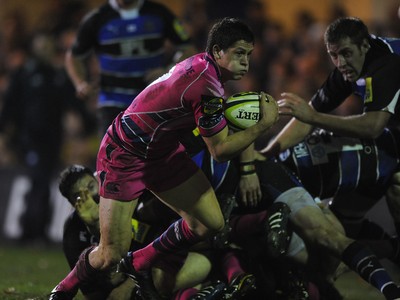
(330, 165)
(189, 96)
(127, 43)
(378, 87)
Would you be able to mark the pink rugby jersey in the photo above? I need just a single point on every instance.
(190, 95)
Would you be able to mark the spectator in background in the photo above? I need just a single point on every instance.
(31, 121)
(13, 40)
(130, 39)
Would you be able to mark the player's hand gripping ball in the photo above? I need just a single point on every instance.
(242, 110)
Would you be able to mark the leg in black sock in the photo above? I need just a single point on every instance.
(363, 261)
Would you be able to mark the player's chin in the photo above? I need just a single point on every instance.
(238, 76)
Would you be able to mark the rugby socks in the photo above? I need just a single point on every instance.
(246, 226)
(231, 266)
(178, 237)
(83, 272)
(363, 261)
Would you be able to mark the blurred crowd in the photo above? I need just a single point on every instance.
(45, 43)
(282, 61)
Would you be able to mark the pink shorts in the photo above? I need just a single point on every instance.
(124, 176)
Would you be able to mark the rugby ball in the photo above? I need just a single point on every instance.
(242, 110)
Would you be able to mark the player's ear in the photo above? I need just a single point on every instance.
(216, 51)
(365, 45)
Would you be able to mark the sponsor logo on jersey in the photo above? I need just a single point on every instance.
(300, 150)
(180, 30)
(131, 28)
(368, 98)
(211, 104)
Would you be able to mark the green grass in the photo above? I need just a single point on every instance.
(30, 272)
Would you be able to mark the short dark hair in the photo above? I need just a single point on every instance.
(345, 27)
(228, 31)
(68, 177)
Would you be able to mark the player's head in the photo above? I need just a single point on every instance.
(230, 42)
(74, 179)
(347, 27)
(347, 42)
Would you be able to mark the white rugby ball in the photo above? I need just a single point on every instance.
(242, 110)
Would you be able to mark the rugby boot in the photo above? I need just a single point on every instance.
(60, 295)
(240, 286)
(146, 289)
(276, 229)
(212, 292)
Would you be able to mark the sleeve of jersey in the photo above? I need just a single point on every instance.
(209, 115)
(382, 90)
(85, 37)
(208, 109)
(332, 93)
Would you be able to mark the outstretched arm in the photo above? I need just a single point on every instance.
(365, 125)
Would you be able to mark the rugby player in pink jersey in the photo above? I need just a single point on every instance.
(141, 150)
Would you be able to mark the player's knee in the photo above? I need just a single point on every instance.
(212, 229)
(328, 238)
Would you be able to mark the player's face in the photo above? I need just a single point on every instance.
(86, 190)
(348, 58)
(234, 62)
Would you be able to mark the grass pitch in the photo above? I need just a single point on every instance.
(30, 272)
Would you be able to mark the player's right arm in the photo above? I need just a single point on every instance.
(77, 55)
(77, 73)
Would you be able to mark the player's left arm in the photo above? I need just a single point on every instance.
(249, 183)
(366, 125)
